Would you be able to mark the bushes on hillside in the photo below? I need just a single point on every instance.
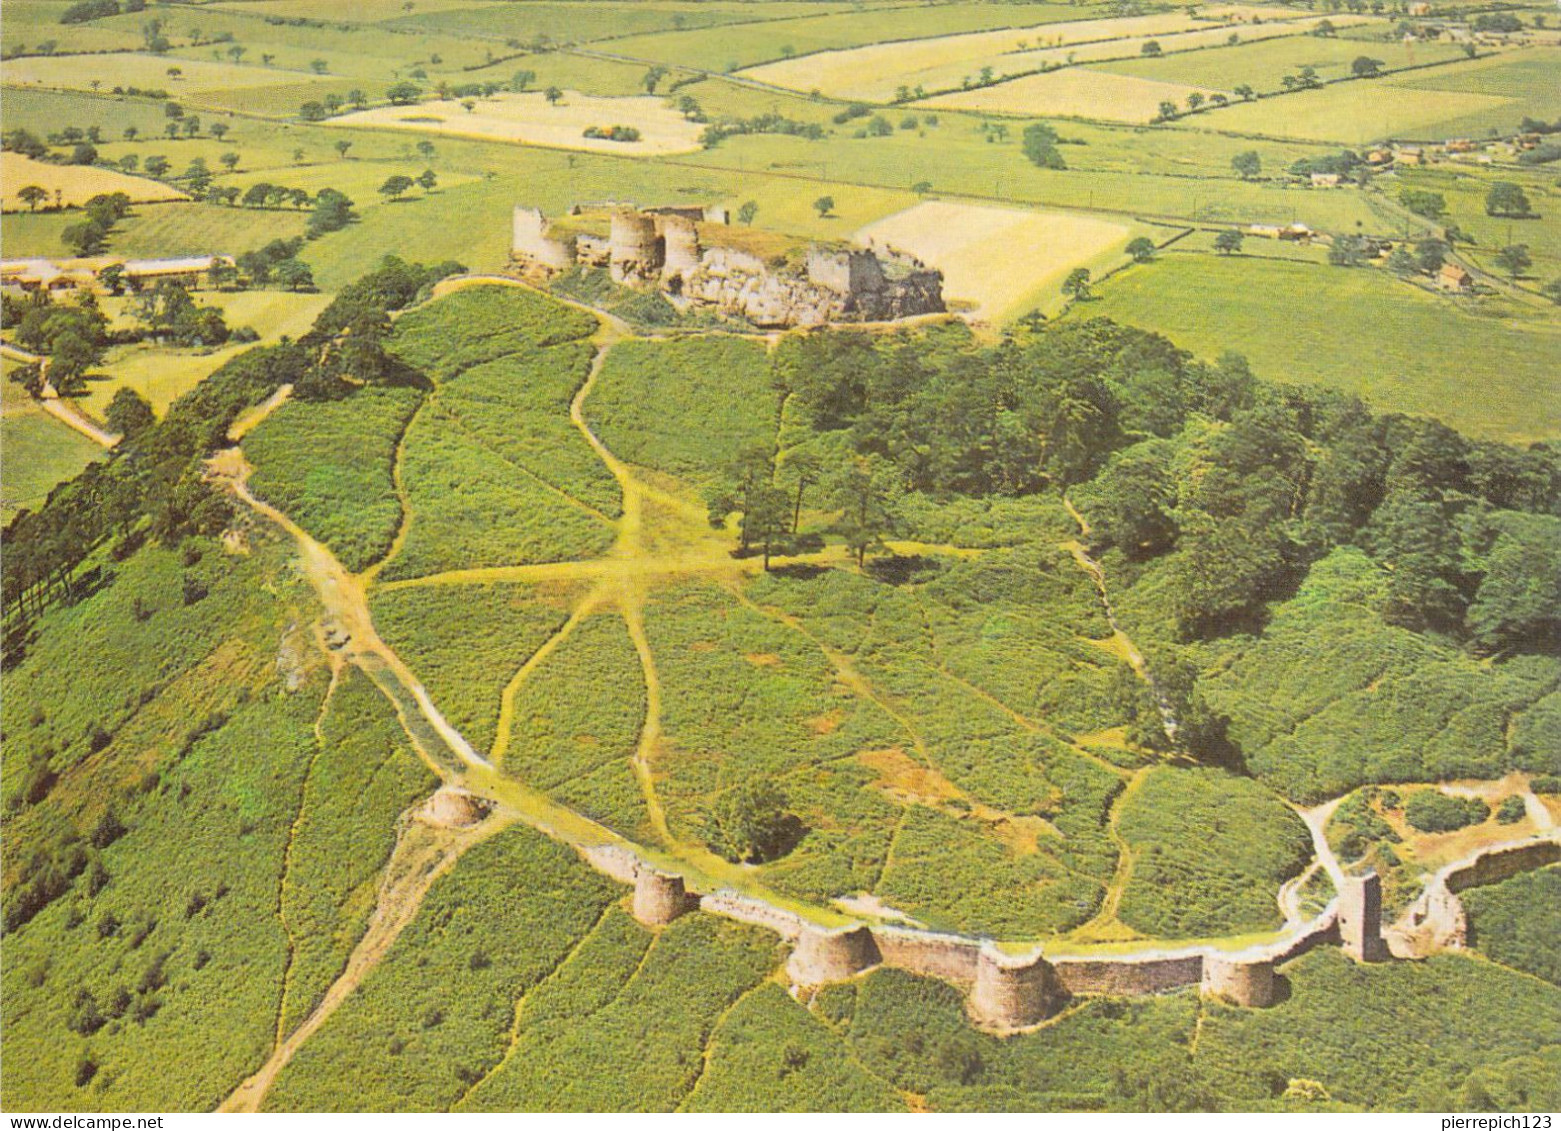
(1431, 811)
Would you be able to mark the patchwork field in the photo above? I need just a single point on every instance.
(531, 119)
(87, 72)
(1460, 98)
(73, 185)
(1074, 93)
(877, 71)
(974, 247)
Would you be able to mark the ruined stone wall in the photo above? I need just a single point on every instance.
(951, 958)
(1129, 975)
(611, 860)
(1501, 863)
(1322, 931)
(745, 909)
(531, 246)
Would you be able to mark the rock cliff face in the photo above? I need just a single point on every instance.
(660, 247)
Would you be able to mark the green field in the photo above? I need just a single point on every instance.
(1262, 65)
(1360, 331)
(39, 451)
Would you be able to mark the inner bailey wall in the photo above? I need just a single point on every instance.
(1501, 863)
(529, 241)
(637, 251)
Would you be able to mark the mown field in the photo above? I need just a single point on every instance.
(39, 451)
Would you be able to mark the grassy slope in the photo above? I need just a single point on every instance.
(1362, 331)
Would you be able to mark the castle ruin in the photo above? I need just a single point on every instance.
(665, 248)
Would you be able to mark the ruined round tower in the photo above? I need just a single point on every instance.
(680, 249)
(1013, 991)
(659, 897)
(1360, 918)
(824, 954)
(1253, 983)
(635, 252)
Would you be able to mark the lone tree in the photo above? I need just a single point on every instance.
(1228, 242)
(521, 81)
(1141, 248)
(1076, 285)
(32, 196)
(553, 95)
(824, 205)
(342, 147)
(747, 212)
(1514, 259)
(1244, 92)
(749, 824)
(404, 93)
(1507, 199)
(1365, 67)
(395, 186)
(1151, 48)
(427, 179)
(1247, 165)
(1167, 111)
(129, 412)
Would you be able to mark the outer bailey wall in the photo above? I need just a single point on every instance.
(745, 909)
(1134, 976)
(529, 240)
(949, 957)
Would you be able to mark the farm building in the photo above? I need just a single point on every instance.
(1454, 278)
(1326, 180)
(59, 275)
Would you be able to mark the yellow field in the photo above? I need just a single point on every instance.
(528, 118)
(1338, 113)
(998, 262)
(79, 72)
(876, 71)
(76, 183)
(1074, 93)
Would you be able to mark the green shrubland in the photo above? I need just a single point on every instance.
(436, 1015)
(328, 466)
(1514, 922)
(466, 642)
(1209, 853)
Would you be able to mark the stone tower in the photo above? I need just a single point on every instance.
(1252, 984)
(1013, 991)
(831, 955)
(659, 897)
(680, 249)
(1360, 918)
(635, 249)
